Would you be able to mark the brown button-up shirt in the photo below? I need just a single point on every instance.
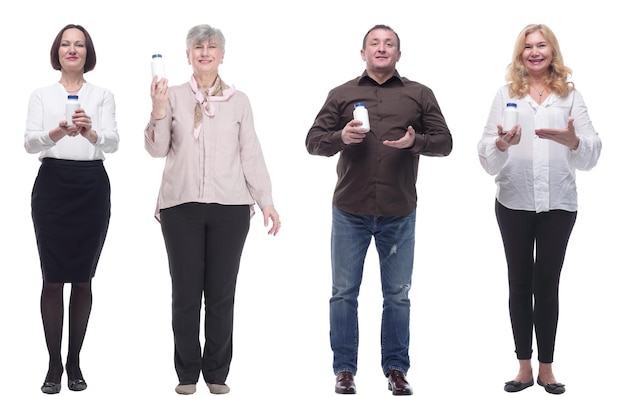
(374, 179)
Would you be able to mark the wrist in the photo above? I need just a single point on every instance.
(501, 144)
(158, 114)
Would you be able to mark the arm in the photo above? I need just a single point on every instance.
(255, 170)
(36, 139)
(106, 138)
(579, 136)
(325, 136)
(492, 158)
(435, 139)
(252, 159)
(586, 155)
(158, 132)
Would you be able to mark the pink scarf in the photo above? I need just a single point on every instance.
(204, 107)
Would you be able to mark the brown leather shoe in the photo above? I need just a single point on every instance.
(398, 384)
(345, 383)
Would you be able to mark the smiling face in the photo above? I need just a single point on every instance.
(73, 50)
(205, 57)
(381, 52)
(537, 54)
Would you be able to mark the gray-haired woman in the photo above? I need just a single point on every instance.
(214, 174)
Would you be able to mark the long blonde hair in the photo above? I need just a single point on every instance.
(558, 73)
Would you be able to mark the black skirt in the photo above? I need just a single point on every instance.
(71, 207)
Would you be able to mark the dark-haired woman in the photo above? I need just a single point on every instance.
(71, 195)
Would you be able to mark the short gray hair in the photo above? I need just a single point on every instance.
(202, 33)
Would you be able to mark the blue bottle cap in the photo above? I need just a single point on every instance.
(359, 104)
(157, 56)
(72, 97)
(511, 105)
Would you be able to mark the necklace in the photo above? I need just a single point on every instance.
(539, 92)
(75, 90)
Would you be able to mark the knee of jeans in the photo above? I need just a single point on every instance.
(345, 292)
(399, 294)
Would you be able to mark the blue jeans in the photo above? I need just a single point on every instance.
(395, 242)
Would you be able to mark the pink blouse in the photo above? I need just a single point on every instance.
(224, 164)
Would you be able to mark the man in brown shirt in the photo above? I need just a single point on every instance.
(375, 196)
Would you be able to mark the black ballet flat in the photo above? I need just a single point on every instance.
(50, 388)
(556, 388)
(516, 386)
(76, 385)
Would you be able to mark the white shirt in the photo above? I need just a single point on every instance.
(46, 108)
(539, 174)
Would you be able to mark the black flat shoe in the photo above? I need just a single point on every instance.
(76, 385)
(556, 388)
(50, 388)
(516, 386)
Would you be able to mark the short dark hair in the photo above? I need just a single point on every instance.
(90, 61)
(384, 27)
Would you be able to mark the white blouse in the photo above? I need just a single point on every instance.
(46, 108)
(539, 174)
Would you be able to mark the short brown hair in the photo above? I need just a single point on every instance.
(383, 27)
(90, 61)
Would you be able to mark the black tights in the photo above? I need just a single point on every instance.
(52, 311)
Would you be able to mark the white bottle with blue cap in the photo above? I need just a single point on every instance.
(360, 113)
(158, 66)
(70, 108)
(510, 118)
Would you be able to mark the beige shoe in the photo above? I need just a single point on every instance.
(218, 388)
(188, 389)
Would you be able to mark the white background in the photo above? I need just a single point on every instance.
(286, 56)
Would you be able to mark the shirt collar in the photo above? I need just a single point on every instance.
(364, 79)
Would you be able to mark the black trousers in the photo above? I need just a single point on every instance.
(534, 246)
(204, 243)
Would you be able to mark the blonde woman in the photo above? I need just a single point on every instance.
(534, 164)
